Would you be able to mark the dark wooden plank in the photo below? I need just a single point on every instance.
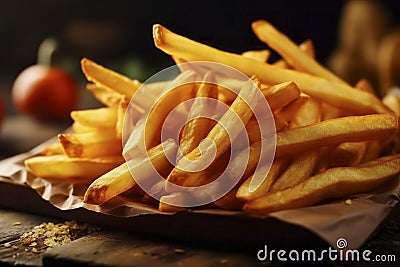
(119, 250)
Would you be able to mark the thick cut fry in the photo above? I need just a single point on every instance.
(229, 201)
(281, 94)
(257, 55)
(97, 118)
(109, 79)
(54, 149)
(120, 179)
(91, 144)
(218, 138)
(196, 129)
(250, 158)
(372, 151)
(119, 124)
(290, 51)
(336, 131)
(276, 169)
(104, 95)
(65, 168)
(337, 94)
(333, 183)
(300, 169)
(348, 154)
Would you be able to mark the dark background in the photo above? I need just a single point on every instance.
(118, 33)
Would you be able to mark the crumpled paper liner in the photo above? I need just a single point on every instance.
(330, 221)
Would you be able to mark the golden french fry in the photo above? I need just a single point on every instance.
(97, 118)
(287, 113)
(218, 137)
(333, 183)
(196, 129)
(258, 55)
(163, 205)
(392, 101)
(336, 131)
(66, 168)
(276, 169)
(119, 124)
(54, 149)
(109, 79)
(302, 166)
(119, 180)
(307, 114)
(307, 47)
(229, 201)
(91, 144)
(79, 128)
(290, 51)
(336, 94)
(104, 95)
(348, 154)
(365, 86)
(372, 151)
(281, 94)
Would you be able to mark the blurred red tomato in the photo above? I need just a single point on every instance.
(45, 92)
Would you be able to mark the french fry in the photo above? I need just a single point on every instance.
(258, 55)
(196, 129)
(119, 179)
(300, 169)
(287, 113)
(119, 124)
(218, 136)
(306, 47)
(333, 183)
(109, 79)
(336, 131)
(290, 51)
(276, 169)
(281, 94)
(91, 144)
(229, 201)
(97, 118)
(365, 86)
(392, 101)
(336, 94)
(104, 95)
(62, 167)
(348, 154)
(54, 149)
(79, 128)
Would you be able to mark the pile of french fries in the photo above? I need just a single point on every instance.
(332, 139)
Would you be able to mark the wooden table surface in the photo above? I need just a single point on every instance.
(108, 247)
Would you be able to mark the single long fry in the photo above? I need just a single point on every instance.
(257, 55)
(196, 129)
(218, 137)
(91, 144)
(79, 128)
(100, 117)
(119, 124)
(104, 95)
(290, 51)
(333, 183)
(337, 94)
(336, 131)
(281, 94)
(120, 179)
(65, 168)
(244, 193)
(109, 79)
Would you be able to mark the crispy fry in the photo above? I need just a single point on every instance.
(281, 94)
(109, 79)
(258, 55)
(218, 136)
(276, 169)
(91, 144)
(119, 124)
(288, 112)
(196, 129)
(290, 51)
(336, 131)
(348, 154)
(65, 168)
(120, 179)
(337, 94)
(97, 118)
(333, 183)
(104, 95)
(302, 166)
(54, 149)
